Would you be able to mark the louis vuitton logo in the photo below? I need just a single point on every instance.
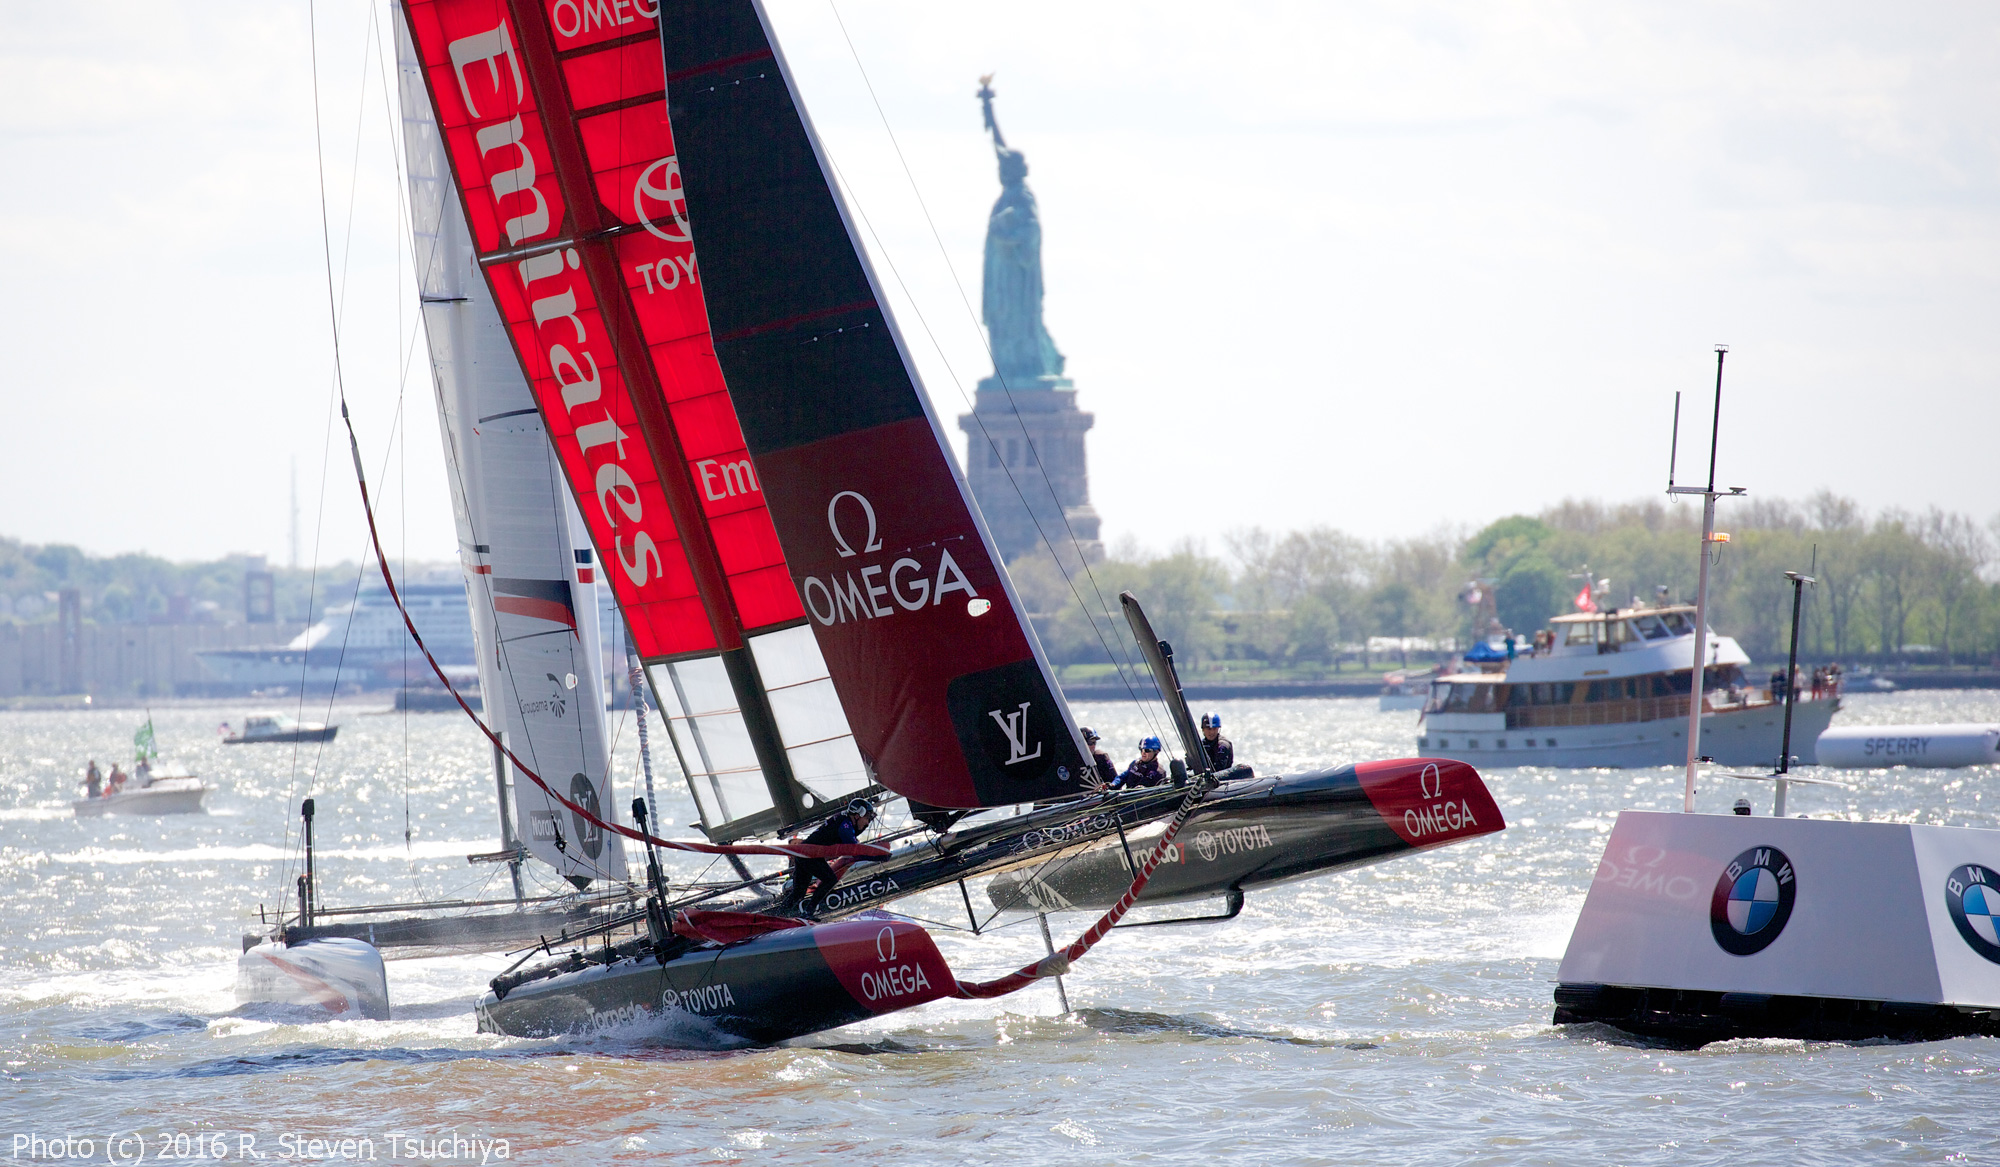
(1015, 727)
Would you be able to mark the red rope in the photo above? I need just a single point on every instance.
(795, 850)
(1057, 963)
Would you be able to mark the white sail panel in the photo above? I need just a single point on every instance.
(529, 582)
(811, 723)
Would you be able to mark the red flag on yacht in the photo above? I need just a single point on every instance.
(1583, 601)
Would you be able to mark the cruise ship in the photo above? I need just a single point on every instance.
(360, 644)
(1611, 689)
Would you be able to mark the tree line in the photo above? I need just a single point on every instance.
(1893, 586)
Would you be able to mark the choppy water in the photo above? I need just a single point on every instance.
(1398, 1014)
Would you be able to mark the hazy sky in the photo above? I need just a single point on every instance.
(1378, 266)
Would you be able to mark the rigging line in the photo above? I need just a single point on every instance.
(336, 308)
(793, 850)
(855, 200)
(986, 342)
(319, 530)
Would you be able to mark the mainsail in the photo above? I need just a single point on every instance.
(949, 694)
(528, 577)
(554, 124)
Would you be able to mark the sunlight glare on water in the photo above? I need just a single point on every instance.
(1395, 1014)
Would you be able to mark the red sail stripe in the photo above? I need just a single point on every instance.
(550, 610)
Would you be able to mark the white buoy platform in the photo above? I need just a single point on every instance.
(1700, 926)
(1867, 747)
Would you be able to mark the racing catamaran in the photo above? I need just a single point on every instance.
(815, 600)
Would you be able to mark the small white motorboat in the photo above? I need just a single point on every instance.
(278, 727)
(166, 789)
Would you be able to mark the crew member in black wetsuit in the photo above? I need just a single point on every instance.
(1221, 754)
(1100, 762)
(845, 827)
(1146, 770)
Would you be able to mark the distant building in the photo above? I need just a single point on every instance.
(1025, 458)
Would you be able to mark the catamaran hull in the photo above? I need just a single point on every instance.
(768, 989)
(334, 980)
(1750, 737)
(1704, 927)
(1271, 831)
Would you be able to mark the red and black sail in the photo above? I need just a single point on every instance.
(937, 667)
(554, 119)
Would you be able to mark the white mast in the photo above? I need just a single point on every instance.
(1708, 496)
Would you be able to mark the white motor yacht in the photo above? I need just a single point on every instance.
(1611, 689)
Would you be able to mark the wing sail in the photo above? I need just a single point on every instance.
(949, 695)
(526, 578)
(553, 119)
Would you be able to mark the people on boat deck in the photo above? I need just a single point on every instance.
(804, 895)
(1100, 762)
(93, 781)
(117, 783)
(1221, 754)
(143, 771)
(1146, 769)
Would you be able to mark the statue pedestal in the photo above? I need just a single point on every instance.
(1027, 469)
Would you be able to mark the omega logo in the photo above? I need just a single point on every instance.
(1430, 783)
(885, 945)
(871, 543)
(907, 585)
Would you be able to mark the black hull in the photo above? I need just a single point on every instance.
(1688, 1019)
(768, 989)
(1262, 833)
(323, 734)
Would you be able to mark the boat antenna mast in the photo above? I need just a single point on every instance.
(1708, 540)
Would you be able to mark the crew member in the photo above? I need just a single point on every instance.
(1100, 762)
(1221, 754)
(1146, 770)
(845, 827)
(117, 782)
(93, 781)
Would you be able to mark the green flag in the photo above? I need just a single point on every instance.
(142, 742)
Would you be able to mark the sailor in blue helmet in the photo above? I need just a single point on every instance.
(845, 827)
(1100, 762)
(1146, 770)
(1221, 754)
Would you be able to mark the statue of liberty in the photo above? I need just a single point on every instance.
(1024, 357)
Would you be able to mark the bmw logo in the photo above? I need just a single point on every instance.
(1972, 893)
(1753, 899)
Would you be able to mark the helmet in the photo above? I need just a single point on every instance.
(1089, 734)
(860, 807)
(1149, 743)
(1211, 721)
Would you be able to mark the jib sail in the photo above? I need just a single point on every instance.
(947, 690)
(553, 118)
(529, 581)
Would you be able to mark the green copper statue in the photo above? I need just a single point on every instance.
(1024, 357)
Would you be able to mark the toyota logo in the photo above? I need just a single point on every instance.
(1430, 783)
(658, 194)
